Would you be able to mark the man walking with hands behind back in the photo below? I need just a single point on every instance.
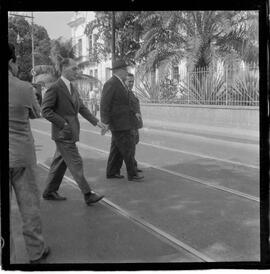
(116, 113)
(61, 105)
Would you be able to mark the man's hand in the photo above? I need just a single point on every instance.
(138, 115)
(66, 132)
(101, 125)
(104, 127)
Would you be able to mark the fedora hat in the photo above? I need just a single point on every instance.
(117, 64)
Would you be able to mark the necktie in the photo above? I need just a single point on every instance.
(71, 90)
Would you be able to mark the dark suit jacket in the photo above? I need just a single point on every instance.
(59, 106)
(115, 106)
(135, 108)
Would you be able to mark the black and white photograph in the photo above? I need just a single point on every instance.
(137, 139)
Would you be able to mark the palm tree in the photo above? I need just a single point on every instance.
(59, 50)
(199, 36)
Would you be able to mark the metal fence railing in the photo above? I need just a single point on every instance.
(226, 86)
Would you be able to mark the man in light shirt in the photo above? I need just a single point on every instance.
(61, 105)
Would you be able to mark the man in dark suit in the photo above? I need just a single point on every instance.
(136, 111)
(61, 105)
(116, 113)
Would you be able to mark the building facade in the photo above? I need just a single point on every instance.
(85, 45)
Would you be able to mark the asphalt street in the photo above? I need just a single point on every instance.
(199, 200)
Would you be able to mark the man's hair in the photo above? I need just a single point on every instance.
(37, 86)
(64, 63)
(130, 74)
(11, 53)
(41, 83)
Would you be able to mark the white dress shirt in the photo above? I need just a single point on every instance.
(67, 83)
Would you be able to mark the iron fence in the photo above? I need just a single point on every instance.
(224, 86)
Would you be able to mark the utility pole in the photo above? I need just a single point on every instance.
(113, 36)
(33, 55)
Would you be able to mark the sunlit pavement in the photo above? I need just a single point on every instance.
(219, 224)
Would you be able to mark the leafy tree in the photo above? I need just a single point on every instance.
(60, 49)
(42, 46)
(127, 34)
(168, 89)
(18, 27)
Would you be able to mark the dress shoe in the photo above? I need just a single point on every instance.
(115, 176)
(53, 196)
(139, 170)
(136, 178)
(92, 197)
(44, 255)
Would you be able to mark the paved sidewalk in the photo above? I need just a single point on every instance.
(78, 233)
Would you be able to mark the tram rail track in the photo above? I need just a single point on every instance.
(179, 151)
(160, 234)
(193, 179)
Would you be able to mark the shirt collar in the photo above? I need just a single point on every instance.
(66, 81)
(120, 80)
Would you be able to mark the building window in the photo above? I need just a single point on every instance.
(96, 76)
(90, 45)
(175, 73)
(94, 43)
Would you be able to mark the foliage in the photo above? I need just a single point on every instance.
(45, 69)
(245, 88)
(203, 87)
(60, 49)
(18, 27)
(168, 89)
(102, 24)
(127, 34)
(215, 87)
(198, 36)
(145, 90)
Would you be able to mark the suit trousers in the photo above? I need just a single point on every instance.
(122, 147)
(23, 181)
(135, 139)
(66, 156)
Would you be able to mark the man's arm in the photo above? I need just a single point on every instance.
(48, 105)
(35, 110)
(84, 111)
(105, 103)
(138, 105)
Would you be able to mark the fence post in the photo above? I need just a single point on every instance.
(188, 85)
(226, 79)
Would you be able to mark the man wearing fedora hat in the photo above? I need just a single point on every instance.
(116, 113)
